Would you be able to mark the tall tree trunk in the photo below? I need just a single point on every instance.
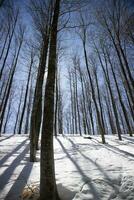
(107, 78)
(99, 99)
(84, 111)
(60, 109)
(72, 105)
(9, 45)
(129, 89)
(56, 103)
(77, 102)
(47, 174)
(26, 96)
(120, 99)
(29, 104)
(4, 45)
(36, 115)
(101, 128)
(74, 102)
(18, 112)
(8, 114)
(10, 84)
(4, 93)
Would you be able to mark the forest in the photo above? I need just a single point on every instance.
(67, 99)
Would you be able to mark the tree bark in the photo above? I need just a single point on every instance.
(18, 112)
(26, 96)
(36, 115)
(47, 178)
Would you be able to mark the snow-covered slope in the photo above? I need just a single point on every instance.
(85, 168)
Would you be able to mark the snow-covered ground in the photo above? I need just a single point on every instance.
(85, 168)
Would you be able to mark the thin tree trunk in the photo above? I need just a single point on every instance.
(72, 108)
(8, 114)
(101, 128)
(18, 112)
(85, 123)
(28, 110)
(10, 85)
(26, 96)
(56, 103)
(120, 99)
(106, 75)
(77, 103)
(99, 100)
(9, 45)
(4, 45)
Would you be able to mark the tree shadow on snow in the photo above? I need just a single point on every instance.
(7, 174)
(128, 138)
(106, 176)
(17, 188)
(3, 160)
(119, 151)
(116, 150)
(85, 178)
(6, 137)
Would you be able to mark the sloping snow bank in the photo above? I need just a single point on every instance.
(85, 168)
(94, 171)
(105, 192)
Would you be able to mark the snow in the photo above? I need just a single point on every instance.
(85, 168)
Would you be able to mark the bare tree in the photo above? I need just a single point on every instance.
(18, 112)
(42, 21)
(12, 72)
(26, 91)
(47, 179)
(83, 37)
(12, 21)
(113, 21)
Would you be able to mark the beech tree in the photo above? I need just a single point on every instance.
(83, 37)
(11, 21)
(18, 112)
(48, 188)
(113, 21)
(32, 56)
(42, 21)
(11, 74)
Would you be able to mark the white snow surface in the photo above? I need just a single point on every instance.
(85, 169)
